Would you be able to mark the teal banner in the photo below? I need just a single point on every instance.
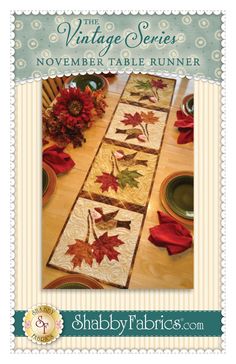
(182, 44)
(135, 323)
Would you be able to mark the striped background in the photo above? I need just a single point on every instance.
(206, 294)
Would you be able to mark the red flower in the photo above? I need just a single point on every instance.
(99, 101)
(72, 113)
(74, 108)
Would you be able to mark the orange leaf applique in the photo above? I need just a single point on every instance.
(149, 117)
(81, 251)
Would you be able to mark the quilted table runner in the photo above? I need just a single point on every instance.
(102, 232)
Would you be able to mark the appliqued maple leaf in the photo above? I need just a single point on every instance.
(127, 177)
(104, 246)
(107, 180)
(149, 117)
(133, 120)
(81, 251)
(158, 84)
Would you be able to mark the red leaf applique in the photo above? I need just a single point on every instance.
(158, 84)
(133, 120)
(104, 246)
(108, 180)
(81, 251)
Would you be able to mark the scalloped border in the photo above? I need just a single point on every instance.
(222, 174)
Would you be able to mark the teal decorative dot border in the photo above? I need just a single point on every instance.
(198, 35)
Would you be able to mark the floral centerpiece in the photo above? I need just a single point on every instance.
(73, 112)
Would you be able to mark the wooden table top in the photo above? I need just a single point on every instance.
(153, 267)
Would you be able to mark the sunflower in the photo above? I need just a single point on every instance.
(73, 112)
(74, 108)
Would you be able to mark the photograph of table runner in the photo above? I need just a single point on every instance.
(102, 232)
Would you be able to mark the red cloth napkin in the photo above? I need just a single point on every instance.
(59, 161)
(171, 235)
(185, 123)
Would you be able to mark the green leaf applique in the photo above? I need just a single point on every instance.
(127, 177)
(143, 85)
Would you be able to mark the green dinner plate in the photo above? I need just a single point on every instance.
(190, 106)
(95, 82)
(74, 281)
(45, 180)
(179, 196)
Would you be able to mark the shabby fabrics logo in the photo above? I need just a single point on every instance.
(42, 324)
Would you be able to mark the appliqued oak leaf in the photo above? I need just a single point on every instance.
(127, 177)
(82, 251)
(133, 120)
(104, 246)
(107, 180)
